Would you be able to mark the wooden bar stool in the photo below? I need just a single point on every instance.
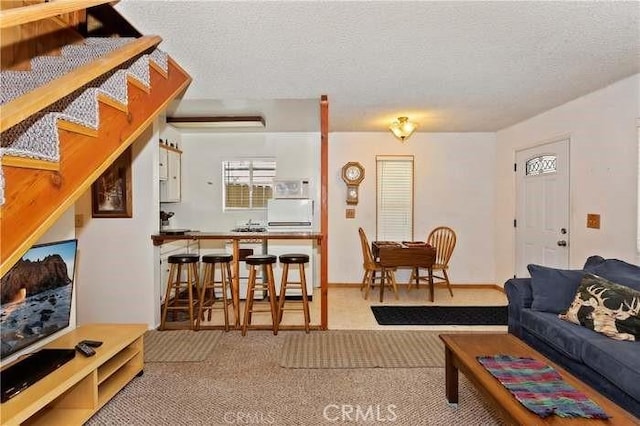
(254, 261)
(300, 260)
(184, 297)
(209, 286)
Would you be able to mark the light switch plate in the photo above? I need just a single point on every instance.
(593, 221)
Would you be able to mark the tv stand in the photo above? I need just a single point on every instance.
(72, 393)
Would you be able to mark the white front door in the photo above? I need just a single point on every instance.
(542, 209)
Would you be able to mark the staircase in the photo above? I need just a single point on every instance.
(67, 117)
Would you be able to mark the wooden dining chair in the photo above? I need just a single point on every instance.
(443, 239)
(373, 270)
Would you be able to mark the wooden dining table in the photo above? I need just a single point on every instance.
(394, 254)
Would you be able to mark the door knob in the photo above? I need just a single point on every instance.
(563, 231)
(562, 243)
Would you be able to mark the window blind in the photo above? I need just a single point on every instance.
(394, 198)
(248, 183)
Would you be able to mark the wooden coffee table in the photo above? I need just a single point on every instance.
(461, 351)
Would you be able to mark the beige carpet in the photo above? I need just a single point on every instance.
(241, 382)
(363, 349)
(179, 345)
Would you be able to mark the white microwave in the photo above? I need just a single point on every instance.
(291, 188)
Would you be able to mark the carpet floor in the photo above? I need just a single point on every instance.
(241, 382)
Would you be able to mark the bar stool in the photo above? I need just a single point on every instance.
(183, 290)
(254, 261)
(210, 285)
(300, 260)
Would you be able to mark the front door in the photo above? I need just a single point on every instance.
(542, 209)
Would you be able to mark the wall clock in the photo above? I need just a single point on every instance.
(352, 175)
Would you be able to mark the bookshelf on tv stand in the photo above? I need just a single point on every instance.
(78, 389)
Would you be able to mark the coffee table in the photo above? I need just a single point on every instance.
(461, 351)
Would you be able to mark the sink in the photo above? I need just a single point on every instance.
(249, 229)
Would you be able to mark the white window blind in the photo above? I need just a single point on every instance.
(394, 198)
(248, 183)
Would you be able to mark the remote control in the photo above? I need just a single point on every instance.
(85, 350)
(92, 343)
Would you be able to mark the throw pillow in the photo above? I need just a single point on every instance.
(552, 289)
(606, 307)
(616, 270)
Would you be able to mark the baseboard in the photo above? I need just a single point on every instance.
(460, 286)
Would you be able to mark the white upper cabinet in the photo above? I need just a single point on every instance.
(170, 159)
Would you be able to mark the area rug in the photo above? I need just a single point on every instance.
(440, 315)
(363, 349)
(179, 345)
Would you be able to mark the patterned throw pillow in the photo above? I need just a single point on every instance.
(606, 307)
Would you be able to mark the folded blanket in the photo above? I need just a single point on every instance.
(540, 388)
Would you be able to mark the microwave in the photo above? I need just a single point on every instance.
(291, 188)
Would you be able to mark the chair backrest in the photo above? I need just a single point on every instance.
(443, 239)
(368, 261)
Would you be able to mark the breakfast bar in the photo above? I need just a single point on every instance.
(236, 238)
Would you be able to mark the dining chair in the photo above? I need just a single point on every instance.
(443, 239)
(373, 270)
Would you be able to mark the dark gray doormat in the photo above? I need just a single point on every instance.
(440, 315)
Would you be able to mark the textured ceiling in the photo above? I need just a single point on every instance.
(450, 66)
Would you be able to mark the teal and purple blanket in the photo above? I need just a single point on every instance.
(540, 388)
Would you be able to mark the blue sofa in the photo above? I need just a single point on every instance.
(608, 365)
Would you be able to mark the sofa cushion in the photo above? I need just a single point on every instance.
(563, 336)
(606, 307)
(553, 289)
(617, 361)
(614, 270)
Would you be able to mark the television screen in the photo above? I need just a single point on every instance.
(35, 295)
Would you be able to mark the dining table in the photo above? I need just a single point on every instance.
(411, 254)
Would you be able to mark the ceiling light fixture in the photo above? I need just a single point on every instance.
(216, 122)
(402, 128)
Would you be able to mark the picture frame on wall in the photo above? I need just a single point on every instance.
(111, 195)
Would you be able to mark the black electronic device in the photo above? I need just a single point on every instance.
(19, 376)
(85, 350)
(92, 343)
(36, 296)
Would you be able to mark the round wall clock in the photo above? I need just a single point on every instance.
(352, 173)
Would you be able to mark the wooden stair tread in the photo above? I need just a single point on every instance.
(25, 14)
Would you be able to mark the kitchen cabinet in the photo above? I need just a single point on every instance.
(170, 186)
(163, 166)
(168, 249)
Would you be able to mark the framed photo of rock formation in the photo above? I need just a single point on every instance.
(111, 192)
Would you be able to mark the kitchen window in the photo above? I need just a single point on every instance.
(394, 198)
(248, 183)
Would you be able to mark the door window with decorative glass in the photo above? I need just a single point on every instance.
(248, 183)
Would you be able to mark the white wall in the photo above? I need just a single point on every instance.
(116, 270)
(297, 156)
(603, 172)
(454, 175)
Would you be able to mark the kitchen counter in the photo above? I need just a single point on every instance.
(237, 237)
(159, 239)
